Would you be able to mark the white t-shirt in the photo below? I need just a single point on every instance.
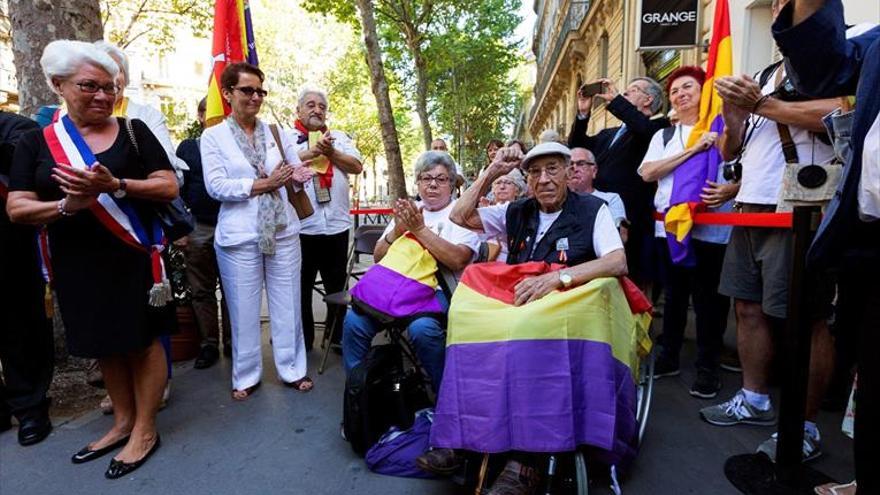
(606, 239)
(657, 151)
(615, 204)
(763, 162)
(438, 222)
(332, 217)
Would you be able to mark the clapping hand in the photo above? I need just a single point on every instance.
(301, 175)
(280, 175)
(325, 144)
(408, 216)
(91, 182)
(742, 91)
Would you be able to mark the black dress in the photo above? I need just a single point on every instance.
(102, 284)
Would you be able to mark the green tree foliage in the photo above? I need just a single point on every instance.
(157, 20)
(473, 92)
(467, 54)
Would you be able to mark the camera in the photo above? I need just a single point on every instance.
(732, 171)
(787, 92)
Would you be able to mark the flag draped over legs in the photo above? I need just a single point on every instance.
(548, 376)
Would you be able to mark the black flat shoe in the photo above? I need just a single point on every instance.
(118, 469)
(85, 454)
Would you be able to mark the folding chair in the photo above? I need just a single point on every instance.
(363, 244)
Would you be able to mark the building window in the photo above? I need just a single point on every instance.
(603, 55)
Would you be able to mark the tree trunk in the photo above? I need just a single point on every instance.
(421, 91)
(34, 24)
(397, 184)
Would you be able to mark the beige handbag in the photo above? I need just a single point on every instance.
(298, 199)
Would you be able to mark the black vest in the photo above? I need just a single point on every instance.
(575, 223)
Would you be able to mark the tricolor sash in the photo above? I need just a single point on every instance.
(68, 147)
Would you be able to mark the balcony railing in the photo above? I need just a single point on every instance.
(577, 12)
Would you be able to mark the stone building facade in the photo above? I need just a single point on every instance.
(577, 41)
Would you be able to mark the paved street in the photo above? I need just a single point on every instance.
(282, 441)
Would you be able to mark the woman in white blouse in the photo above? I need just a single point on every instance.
(257, 238)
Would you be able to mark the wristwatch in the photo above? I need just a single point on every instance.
(120, 193)
(565, 278)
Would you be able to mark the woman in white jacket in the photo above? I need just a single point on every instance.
(257, 238)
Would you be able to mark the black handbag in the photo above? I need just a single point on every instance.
(175, 217)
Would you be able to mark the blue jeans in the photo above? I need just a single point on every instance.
(427, 335)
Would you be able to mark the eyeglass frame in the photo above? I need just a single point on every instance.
(540, 171)
(440, 180)
(98, 87)
(582, 163)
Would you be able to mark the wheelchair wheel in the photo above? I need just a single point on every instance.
(580, 467)
(645, 393)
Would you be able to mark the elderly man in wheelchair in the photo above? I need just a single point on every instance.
(404, 286)
(542, 353)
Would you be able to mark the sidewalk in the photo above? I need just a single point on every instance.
(282, 441)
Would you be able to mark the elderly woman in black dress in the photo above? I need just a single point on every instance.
(84, 177)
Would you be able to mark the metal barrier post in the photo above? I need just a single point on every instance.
(755, 474)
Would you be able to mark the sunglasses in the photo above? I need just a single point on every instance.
(250, 92)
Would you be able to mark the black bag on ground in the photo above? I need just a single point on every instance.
(379, 394)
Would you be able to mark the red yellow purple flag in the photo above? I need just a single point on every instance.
(690, 177)
(233, 42)
(719, 64)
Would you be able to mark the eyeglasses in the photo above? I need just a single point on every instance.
(250, 92)
(441, 180)
(505, 182)
(552, 171)
(91, 87)
(582, 163)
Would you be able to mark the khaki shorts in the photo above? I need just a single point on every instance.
(757, 265)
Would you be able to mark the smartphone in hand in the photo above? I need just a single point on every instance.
(589, 90)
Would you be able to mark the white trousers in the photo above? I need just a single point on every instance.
(244, 271)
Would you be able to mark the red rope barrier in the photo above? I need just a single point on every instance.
(371, 211)
(768, 220)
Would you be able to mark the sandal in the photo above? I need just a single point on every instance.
(836, 489)
(304, 384)
(242, 395)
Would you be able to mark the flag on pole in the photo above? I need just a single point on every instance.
(233, 42)
(690, 177)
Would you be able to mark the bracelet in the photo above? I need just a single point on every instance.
(760, 102)
(385, 238)
(61, 210)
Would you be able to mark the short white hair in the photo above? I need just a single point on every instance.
(63, 58)
(116, 54)
(312, 91)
